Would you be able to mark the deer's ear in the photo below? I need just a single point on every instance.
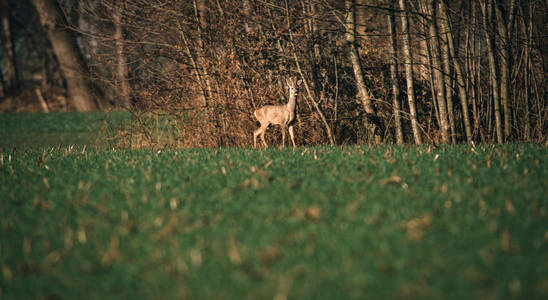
(299, 82)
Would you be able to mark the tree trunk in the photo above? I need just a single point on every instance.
(458, 73)
(315, 50)
(528, 32)
(195, 68)
(425, 43)
(486, 9)
(314, 102)
(409, 73)
(438, 75)
(2, 85)
(365, 96)
(505, 61)
(448, 82)
(396, 106)
(360, 12)
(200, 9)
(476, 70)
(121, 62)
(12, 76)
(68, 56)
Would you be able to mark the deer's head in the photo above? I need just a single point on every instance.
(293, 85)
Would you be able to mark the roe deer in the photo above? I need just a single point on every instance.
(282, 115)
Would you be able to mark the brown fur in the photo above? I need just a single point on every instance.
(282, 115)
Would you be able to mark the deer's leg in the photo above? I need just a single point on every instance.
(255, 134)
(263, 128)
(292, 135)
(263, 139)
(284, 128)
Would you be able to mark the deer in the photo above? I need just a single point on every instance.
(282, 115)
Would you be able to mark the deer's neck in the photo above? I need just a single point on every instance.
(291, 103)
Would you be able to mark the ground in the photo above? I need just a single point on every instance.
(95, 221)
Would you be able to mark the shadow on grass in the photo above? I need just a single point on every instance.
(39, 130)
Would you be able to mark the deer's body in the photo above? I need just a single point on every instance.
(282, 115)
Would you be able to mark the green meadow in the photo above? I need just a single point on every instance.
(81, 219)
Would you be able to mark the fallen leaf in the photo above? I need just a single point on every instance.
(196, 257)
(112, 253)
(173, 203)
(250, 182)
(6, 272)
(394, 179)
(233, 253)
(53, 257)
(27, 245)
(515, 287)
(82, 236)
(313, 213)
(270, 254)
(444, 188)
(509, 206)
(352, 206)
(416, 226)
(46, 182)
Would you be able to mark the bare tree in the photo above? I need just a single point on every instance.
(2, 85)
(487, 11)
(505, 24)
(527, 30)
(439, 79)
(396, 105)
(312, 95)
(409, 72)
(445, 57)
(121, 62)
(69, 58)
(208, 64)
(364, 94)
(458, 71)
(200, 12)
(12, 75)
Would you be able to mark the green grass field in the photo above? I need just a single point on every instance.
(358, 222)
(38, 130)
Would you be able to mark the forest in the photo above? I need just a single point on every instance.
(373, 72)
(418, 167)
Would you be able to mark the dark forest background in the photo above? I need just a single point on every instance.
(406, 71)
